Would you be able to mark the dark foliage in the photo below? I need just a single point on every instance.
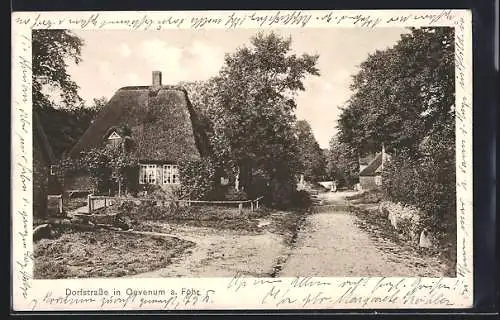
(312, 162)
(198, 179)
(405, 99)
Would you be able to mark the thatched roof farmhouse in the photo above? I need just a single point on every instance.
(156, 123)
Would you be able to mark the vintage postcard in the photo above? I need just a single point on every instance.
(242, 160)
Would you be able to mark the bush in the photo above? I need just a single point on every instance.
(282, 193)
(428, 183)
(370, 196)
(301, 199)
(198, 178)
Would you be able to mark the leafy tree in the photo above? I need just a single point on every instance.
(249, 110)
(255, 105)
(402, 93)
(342, 162)
(404, 97)
(121, 164)
(96, 106)
(52, 50)
(55, 94)
(311, 157)
(65, 126)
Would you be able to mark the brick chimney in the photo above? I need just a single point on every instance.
(156, 78)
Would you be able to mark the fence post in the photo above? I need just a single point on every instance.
(89, 203)
(257, 204)
(251, 205)
(240, 207)
(60, 204)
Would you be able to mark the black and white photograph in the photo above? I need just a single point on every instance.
(266, 153)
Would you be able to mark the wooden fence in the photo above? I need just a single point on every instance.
(97, 202)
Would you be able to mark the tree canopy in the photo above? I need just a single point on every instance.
(256, 89)
(52, 51)
(55, 94)
(312, 160)
(342, 162)
(65, 126)
(250, 104)
(404, 98)
(402, 94)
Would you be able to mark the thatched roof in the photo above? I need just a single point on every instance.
(162, 122)
(374, 167)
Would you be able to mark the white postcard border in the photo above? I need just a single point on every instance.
(235, 293)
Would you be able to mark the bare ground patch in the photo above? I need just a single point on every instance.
(228, 246)
(222, 253)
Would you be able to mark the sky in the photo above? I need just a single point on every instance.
(116, 58)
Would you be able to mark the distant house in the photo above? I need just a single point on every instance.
(44, 180)
(156, 123)
(370, 175)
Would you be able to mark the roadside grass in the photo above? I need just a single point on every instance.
(288, 225)
(100, 253)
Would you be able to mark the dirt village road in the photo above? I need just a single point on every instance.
(329, 244)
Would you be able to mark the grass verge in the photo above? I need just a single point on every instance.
(90, 254)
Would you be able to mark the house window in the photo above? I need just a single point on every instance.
(170, 174)
(52, 170)
(147, 174)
